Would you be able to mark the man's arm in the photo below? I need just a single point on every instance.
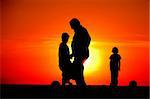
(89, 39)
(72, 47)
(86, 38)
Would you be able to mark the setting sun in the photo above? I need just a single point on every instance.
(93, 63)
(32, 29)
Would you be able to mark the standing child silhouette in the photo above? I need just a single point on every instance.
(114, 66)
(64, 59)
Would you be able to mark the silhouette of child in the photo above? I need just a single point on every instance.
(64, 60)
(114, 66)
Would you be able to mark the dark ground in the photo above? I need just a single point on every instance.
(42, 91)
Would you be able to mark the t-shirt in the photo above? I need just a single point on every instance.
(64, 57)
(114, 59)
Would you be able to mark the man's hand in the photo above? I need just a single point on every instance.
(71, 55)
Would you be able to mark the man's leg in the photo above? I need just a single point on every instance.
(63, 79)
(82, 76)
(79, 71)
(80, 79)
(80, 82)
(63, 82)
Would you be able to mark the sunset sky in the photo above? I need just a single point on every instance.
(31, 34)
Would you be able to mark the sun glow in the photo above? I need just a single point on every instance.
(94, 61)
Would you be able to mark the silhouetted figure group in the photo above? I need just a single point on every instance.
(80, 52)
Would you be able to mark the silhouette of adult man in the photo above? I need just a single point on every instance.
(80, 51)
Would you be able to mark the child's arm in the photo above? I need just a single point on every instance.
(119, 65)
(119, 62)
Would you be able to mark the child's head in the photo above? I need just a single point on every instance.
(115, 50)
(65, 37)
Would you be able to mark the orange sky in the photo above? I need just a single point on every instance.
(31, 31)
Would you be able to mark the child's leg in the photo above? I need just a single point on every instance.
(116, 78)
(113, 78)
(111, 83)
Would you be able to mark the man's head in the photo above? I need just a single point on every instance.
(74, 23)
(115, 50)
(65, 37)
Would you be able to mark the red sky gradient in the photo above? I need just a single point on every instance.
(31, 31)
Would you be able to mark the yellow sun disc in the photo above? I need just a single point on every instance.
(92, 64)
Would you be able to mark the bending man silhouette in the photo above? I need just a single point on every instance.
(80, 51)
(114, 66)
